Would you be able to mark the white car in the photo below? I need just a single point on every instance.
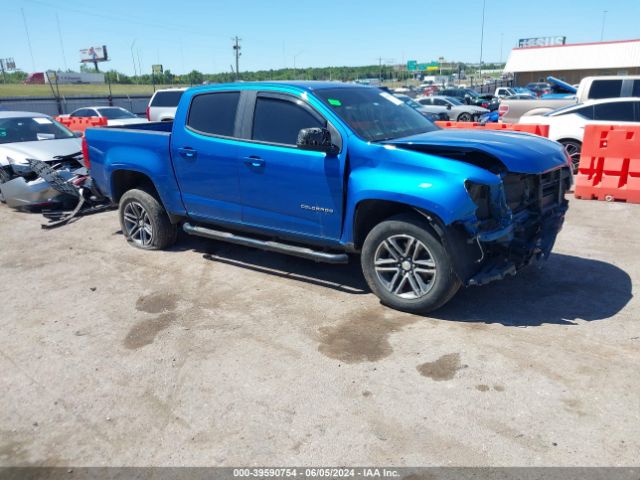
(454, 108)
(163, 104)
(116, 116)
(566, 125)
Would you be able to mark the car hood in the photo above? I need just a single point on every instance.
(39, 150)
(518, 152)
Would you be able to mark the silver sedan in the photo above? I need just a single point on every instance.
(456, 110)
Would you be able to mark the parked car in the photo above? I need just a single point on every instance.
(567, 124)
(163, 104)
(28, 135)
(116, 116)
(471, 97)
(502, 92)
(428, 112)
(539, 88)
(345, 169)
(458, 111)
(512, 110)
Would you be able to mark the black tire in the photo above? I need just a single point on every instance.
(443, 284)
(163, 232)
(4, 177)
(573, 149)
(465, 117)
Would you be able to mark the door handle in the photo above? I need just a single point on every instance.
(254, 161)
(188, 153)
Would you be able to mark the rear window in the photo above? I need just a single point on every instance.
(615, 111)
(167, 99)
(214, 113)
(605, 89)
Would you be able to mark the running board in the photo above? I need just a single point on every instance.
(266, 244)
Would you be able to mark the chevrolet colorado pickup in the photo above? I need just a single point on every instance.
(328, 170)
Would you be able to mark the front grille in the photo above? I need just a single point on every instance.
(539, 192)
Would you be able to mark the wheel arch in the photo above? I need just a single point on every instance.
(371, 212)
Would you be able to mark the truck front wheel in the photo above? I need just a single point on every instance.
(407, 267)
(144, 221)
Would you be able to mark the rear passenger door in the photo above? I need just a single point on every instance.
(205, 158)
(284, 188)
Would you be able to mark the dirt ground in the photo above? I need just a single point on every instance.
(212, 354)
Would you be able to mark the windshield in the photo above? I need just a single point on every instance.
(373, 114)
(115, 113)
(453, 101)
(31, 129)
(471, 93)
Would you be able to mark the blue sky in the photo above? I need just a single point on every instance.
(196, 34)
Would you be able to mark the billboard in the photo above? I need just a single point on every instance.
(541, 41)
(157, 69)
(94, 54)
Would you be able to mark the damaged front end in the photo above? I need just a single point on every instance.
(515, 224)
(22, 187)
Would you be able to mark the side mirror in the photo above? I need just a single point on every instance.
(316, 139)
(78, 134)
(448, 106)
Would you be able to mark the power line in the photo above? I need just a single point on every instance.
(64, 57)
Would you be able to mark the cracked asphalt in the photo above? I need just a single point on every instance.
(213, 354)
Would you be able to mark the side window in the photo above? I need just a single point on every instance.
(605, 89)
(426, 101)
(439, 101)
(635, 91)
(280, 121)
(616, 111)
(214, 113)
(83, 112)
(586, 112)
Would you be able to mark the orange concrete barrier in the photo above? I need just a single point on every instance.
(609, 164)
(80, 124)
(541, 130)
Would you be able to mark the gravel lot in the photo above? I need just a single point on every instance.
(212, 354)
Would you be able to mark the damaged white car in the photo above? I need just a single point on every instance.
(28, 135)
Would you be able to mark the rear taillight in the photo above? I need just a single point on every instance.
(503, 110)
(148, 113)
(485, 105)
(85, 152)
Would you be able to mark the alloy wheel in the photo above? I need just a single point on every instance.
(404, 266)
(137, 224)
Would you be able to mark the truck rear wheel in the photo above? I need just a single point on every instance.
(144, 221)
(407, 267)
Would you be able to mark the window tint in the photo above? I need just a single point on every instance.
(605, 89)
(83, 112)
(439, 101)
(425, 101)
(214, 113)
(167, 99)
(280, 121)
(586, 112)
(635, 91)
(617, 111)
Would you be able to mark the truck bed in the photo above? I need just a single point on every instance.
(143, 148)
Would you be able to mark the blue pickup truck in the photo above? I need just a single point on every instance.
(325, 171)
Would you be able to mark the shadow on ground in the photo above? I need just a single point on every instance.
(565, 289)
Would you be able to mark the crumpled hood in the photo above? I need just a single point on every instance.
(39, 150)
(519, 152)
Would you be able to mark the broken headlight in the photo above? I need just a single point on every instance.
(480, 194)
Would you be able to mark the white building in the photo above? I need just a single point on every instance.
(572, 62)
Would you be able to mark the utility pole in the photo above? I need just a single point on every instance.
(604, 17)
(380, 63)
(26, 29)
(64, 57)
(484, 2)
(237, 48)
(133, 59)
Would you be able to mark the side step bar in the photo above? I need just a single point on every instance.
(266, 244)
